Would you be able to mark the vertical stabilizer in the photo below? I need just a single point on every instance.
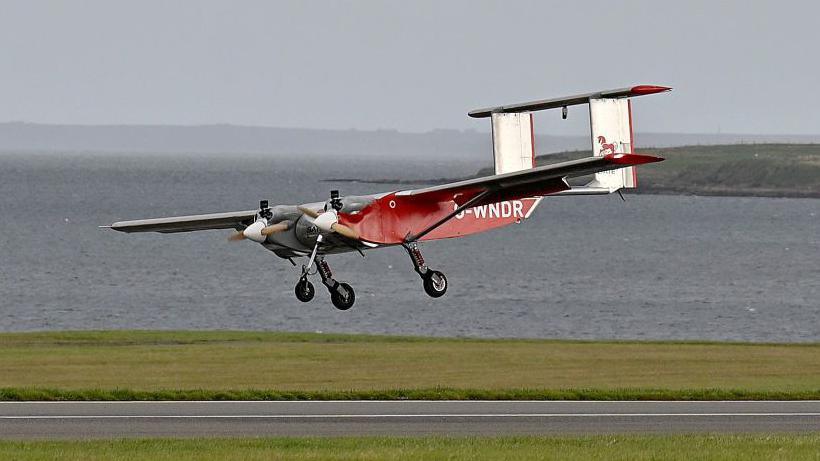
(611, 122)
(513, 142)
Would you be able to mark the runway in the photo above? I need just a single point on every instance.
(20, 420)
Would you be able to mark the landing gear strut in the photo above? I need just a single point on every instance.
(341, 294)
(435, 283)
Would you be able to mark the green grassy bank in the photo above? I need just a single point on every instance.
(149, 365)
(684, 447)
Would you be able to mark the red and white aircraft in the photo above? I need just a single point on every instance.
(406, 217)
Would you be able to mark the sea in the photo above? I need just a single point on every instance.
(653, 267)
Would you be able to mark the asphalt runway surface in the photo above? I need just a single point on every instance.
(19, 420)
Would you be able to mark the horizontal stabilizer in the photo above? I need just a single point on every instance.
(543, 104)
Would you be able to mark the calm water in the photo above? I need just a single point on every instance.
(658, 267)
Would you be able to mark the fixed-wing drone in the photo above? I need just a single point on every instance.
(406, 217)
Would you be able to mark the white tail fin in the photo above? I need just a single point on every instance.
(513, 142)
(611, 123)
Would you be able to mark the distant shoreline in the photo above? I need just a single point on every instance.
(225, 139)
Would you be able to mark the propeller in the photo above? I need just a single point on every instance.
(274, 228)
(308, 212)
(260, 230)
(328, 220)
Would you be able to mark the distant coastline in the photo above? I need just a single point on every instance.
(277, 141)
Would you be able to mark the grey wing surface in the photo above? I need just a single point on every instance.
(233, 220)
(530, 180)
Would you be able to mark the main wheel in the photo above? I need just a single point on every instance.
(343, 296)
(435, 284)
(304, 290)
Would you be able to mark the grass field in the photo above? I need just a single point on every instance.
(685, 447)
(257, 365)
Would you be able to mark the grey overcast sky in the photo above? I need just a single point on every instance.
(737, 67)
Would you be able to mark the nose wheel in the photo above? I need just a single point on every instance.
(341, 294)
(304, 290)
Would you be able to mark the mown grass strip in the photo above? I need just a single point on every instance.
(609, 447)
(36, 394)
(184, 337)
(217, 364)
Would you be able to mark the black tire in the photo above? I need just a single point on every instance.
(304, 290)
(343, 302)
(435, 284)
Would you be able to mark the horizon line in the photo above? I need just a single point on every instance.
(366, 130)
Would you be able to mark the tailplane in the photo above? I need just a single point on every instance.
(610, 115)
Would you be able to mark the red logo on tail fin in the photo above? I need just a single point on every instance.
(605, 148)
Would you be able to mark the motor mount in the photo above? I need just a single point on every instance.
(335, 201)
(264, 210)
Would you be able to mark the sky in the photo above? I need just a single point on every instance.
(737, 67)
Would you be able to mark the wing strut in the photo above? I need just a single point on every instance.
(431, 228)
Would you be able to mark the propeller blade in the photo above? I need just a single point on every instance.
(345, 231)
(272, 229)
(308, 212)
(236, 237)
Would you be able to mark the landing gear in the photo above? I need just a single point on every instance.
(341, 294)
(304, 290)
(435, 283)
